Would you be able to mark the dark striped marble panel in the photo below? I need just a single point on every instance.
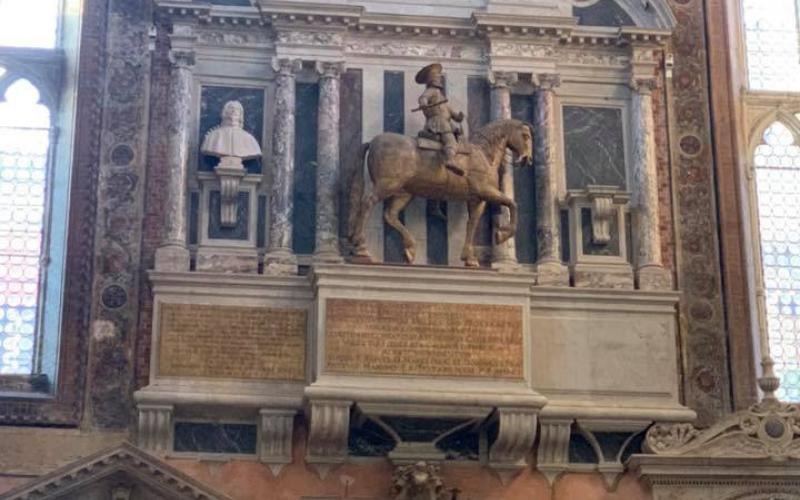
(594, 146)
(478, 115)
(212, 100)
(241, 230)
(350, 139)
(393, 121)
(305, 168)
(522, 108)
(215, 438)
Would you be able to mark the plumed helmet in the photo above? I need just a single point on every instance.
(425, 74)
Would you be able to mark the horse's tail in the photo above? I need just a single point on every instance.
(356, 191)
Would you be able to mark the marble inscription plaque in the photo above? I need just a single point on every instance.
(423, 338)
(232, 342)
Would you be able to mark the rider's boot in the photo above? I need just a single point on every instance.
(450, 160)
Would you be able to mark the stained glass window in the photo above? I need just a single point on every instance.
(777, 162)
(29, 23)
(773, 50)
(24, 143)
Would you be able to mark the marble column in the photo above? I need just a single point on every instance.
(173, 255)
(650, 273)
(280, 258)
(549, 268)
(328, 167)
(504, 256)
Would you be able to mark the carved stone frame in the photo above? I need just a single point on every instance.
(65, 405)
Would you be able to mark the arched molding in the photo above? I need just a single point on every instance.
(646, 14)
(784, 115)
(43, 72)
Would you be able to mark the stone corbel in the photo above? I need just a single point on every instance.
(604, 208)
(230, 172)
(517, 431)
(154, 431)
(329, 425)
(609, 462)
(553, 450)
(275, 447)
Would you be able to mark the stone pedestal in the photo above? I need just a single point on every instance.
(504, 255)
(280, 258)
(550, 270)
(173, 255)
(328, 168)
(650, 273)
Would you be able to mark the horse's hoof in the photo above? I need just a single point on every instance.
(471, 263)
(410, 254)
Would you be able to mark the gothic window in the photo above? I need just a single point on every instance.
(31, 242)
(773, 53)
(777, 175)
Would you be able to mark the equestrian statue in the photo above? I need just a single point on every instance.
(437, 165)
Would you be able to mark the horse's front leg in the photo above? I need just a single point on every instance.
(475, 209)
(391, 214)
(496, 197)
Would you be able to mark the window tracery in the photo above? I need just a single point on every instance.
(773, 45)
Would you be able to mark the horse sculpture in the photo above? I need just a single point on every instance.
(400, 170)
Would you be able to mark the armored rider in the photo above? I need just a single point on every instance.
(438, 113)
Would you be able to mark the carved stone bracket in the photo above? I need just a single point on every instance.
(605, 201)
(230, 172)
(553, 450)
(275, 447)
(329, 424)
(609, 454)
(154, 432)
(517, 431)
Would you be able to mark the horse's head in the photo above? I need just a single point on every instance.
(521, 142)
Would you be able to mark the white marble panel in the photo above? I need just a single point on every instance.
(372, 125)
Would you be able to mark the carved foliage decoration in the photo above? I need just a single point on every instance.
(419, 481)
(768, 429)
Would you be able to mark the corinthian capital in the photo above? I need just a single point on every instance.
(328, 69)
(548, 81)
(502, 79)
(181, 58)
(285, 66)
(643, 85)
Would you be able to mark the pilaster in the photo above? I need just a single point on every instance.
(328, 167)
(550, 270)
(650, 273)
(503, 255)
(280, 257)
(173, 255)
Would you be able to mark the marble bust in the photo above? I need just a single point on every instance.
(230, 139)
(232, 144)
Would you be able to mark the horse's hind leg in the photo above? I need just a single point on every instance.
(359, 241)
(475, 209)
(394, 206)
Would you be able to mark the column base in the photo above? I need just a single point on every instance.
(226, 260)
(552, 273)
(280, 262)
(654, 278)
(328, 256)
(172, 258)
